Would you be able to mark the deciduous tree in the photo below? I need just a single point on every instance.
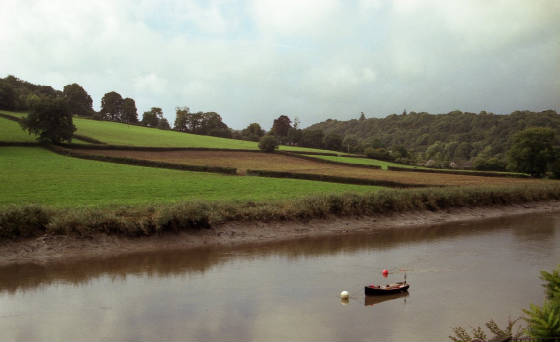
(253, 132)
(532, 151)
(281, 126)
(111, 106)
(129, 113)
(79, 101)
(50, 119)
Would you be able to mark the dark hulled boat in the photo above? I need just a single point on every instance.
(372, 290)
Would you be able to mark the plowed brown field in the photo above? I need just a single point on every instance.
(278, 162)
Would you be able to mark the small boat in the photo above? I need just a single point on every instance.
(373, 290)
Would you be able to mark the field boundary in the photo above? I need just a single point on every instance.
(329, 154)
(19, 144)
(459, 172)
(333, 179)
(9, 117)
(152, 148)
(324, 161)
(141, 162)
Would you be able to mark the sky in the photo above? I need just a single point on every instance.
(252, 61)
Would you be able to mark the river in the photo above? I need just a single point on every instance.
(460, 274)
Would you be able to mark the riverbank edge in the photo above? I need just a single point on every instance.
(60, 248)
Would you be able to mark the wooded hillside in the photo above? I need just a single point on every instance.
(455, 136)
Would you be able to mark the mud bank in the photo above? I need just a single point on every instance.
(52, 248)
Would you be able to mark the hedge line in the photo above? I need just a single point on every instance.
(459, 172)
(140, 162)
(27, 221)
(332, 179)
(20, 144)
(9, 117)
(151, 148)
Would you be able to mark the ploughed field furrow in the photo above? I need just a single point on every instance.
(280, 162)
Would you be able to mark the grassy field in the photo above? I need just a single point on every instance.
(279, 162)
(385, 164)
(365, 161)
(34, 175)
(114, 133)
(10, 131)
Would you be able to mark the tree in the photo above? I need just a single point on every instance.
(51, 120)
(489, 164)
(163, 124)
(7, 96)
(463, 151)
(281, 126)
(268, 143)
(79, 101)
(362, 116)
(111, 106)
(129, 113)
(212, 122)
(296, 123)
(400, 151)
(350, 143)
(312, 138)
(253, 132)
(378, 153)
(332, 141)
(294, 136)
(532, 151)
(152, 117)
(181, 118)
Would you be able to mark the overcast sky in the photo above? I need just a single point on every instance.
(251, 61)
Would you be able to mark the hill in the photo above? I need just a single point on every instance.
(455, 136)
(114, 133)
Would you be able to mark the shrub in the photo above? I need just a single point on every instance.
(268, 143)
(378, 153)
(491, 164)
(544, 321)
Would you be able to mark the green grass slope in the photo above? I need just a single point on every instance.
(385, 164)
(364, 161)
(10, 131)
(34, 175)
(114, 133)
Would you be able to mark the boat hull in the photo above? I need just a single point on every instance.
(376, 291)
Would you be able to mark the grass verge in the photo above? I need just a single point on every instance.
(26, 221)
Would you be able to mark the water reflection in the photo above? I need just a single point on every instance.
(373, 300)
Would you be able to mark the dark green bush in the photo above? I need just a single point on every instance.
(268, 143)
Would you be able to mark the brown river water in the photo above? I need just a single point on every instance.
(460, 274)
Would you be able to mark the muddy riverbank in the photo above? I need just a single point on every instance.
(52, 248)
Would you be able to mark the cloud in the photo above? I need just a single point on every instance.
(254, 60)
